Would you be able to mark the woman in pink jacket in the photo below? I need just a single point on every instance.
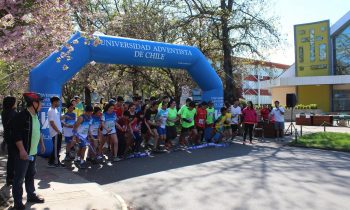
(249, 119)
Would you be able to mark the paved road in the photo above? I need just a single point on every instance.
(314, 129)
(262, 176)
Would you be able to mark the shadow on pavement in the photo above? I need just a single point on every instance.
(105, 174)
(274, 177)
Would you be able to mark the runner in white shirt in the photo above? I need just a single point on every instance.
(236, 113)
(55, 129)
(278, 114)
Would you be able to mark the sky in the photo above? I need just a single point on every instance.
(292, 12)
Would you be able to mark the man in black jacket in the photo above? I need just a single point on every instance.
(27, 137)
(7, 116)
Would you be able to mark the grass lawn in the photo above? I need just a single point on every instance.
(325, 140)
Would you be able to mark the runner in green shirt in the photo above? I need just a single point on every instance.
(185, 106)
(172, 114)
(171, 132)
(209, 123)
(187, 123)
(210, 114)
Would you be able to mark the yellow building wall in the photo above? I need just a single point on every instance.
(279, 94)
(304, 39)
(315, 94)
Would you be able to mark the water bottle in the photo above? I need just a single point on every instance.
(31, 158)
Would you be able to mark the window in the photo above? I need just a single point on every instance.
(342, 52)
(301, 54)
(323, 52)
(312, 45)
(319, 38)
(341, 98)
(305, 39)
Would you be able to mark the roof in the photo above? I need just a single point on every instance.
(340, 24)
(261, 63)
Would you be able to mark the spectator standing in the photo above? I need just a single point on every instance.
(55, 128)
(7, 115)
(27, 137)
(278, 114)
(250, 118)
(264, 112)
(236, 113)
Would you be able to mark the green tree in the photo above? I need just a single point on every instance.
(242, 27)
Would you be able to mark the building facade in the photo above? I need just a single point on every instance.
(321, 72)
(255, 73)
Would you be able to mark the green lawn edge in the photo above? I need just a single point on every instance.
(321, 140)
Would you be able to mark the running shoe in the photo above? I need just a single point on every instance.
(116, 159)
(67, 158)
(51, 165)
(61, 165)
(83, 165)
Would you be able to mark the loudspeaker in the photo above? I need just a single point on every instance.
(291, 99)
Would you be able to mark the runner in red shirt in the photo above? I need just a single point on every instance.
(123, 135)
(118, 107)
(200, 119)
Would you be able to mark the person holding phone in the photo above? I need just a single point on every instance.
(278, 114)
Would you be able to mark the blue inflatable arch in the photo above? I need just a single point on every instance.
(50, 75)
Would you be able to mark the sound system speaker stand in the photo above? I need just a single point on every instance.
(291, 100)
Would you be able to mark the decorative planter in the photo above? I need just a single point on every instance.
(320, 120)
(287, 114)
(303, 120)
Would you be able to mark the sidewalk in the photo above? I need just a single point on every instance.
(63, 190)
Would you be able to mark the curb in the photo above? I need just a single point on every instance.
(121, 201)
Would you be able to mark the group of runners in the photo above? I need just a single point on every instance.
(114, 130)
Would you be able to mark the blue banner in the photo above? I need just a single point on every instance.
(51, 74)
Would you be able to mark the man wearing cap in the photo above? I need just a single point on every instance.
(27, 137)
(55, 128)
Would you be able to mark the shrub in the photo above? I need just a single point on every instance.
(309, 106)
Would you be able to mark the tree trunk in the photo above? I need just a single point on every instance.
(87, 93)
(230, 88)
